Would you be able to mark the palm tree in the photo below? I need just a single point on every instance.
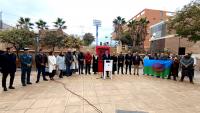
(41, 24)
(118, 24)
(142, 30)
(132, 29)
(24, 23)
(60, 23)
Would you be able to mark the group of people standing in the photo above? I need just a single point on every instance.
(185, 63)
(65, 64)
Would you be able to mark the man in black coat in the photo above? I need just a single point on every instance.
(8, 65)
(120, 63)
(80, 62)
(114, 58)
(128, 62)
(68, 62)
(1, 53)
(41, 61)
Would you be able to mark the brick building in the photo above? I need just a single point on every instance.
(153, 16)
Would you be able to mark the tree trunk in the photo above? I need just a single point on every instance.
(53, 48)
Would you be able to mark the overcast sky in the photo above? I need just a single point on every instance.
(79, 14)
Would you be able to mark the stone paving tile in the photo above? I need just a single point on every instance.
(23, 104)
(15, 111)
(56, 109)
(36, 110)
(74, 109)
(123, 92)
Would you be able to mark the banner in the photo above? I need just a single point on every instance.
(157, 67)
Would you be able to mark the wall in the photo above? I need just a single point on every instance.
(173, 44)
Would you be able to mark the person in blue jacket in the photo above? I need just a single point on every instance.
(26, 65)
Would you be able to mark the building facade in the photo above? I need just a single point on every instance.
(161, 41)
(153, 16)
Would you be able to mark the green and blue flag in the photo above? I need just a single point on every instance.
(157, 67)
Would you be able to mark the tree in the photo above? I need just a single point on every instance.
(53, 39)
(186, 22)
(88, 38)
(18, 38)
(73, 41)
(132, 29)
(126, 39)
(59, 23)
(141, 32)
(118, 24)
(24, 23)
(41, 25)
(138, 32)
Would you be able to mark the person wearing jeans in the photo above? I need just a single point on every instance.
(26, 65)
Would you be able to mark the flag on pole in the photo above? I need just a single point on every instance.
(157, 67)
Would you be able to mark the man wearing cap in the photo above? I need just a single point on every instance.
(26, 65)
(8, 65)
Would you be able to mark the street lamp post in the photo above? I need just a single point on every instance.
(36, 43)
(97, 24)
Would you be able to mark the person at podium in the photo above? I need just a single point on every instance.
(106, 56)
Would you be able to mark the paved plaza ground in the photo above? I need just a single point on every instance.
(122, 94)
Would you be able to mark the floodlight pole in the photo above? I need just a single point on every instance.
(1, 20)
(97, 28)
(97, 23)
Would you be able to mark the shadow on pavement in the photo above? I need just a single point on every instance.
(123, 111)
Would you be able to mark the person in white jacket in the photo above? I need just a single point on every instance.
(52, 65)
(60, 61)
(74, 66)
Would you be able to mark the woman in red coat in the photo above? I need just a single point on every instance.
(88, 60)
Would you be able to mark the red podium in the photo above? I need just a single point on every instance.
(100, 50)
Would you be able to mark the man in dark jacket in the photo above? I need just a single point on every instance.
(68, 62)
(114, 58)
(41, 61)
(1, 53)
(136, 63)
(80, 62)
(120, 59)
(128, 62)
(187, 63)
(8, 65)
